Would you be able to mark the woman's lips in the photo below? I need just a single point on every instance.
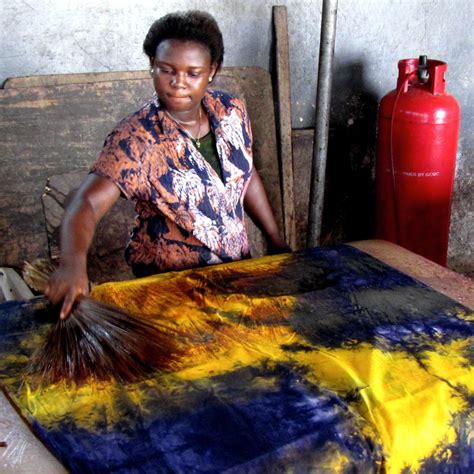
(177, 97)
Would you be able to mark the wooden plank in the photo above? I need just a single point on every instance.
(223, 79)
(48, 131)
(79, 78)
(302, 148)
(283, 91)
(452, 284)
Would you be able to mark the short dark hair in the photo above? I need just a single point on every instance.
(192, 25)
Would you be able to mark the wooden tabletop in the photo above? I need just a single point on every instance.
(452, 284)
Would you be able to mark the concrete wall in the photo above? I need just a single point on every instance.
(65, 36)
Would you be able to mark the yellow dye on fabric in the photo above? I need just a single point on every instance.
(12, 359)
(411, 408)
(220, 329)
(238, 352)
(467, 316)
(91, 405)
(87, 404)
(450, 361)
(33, 341)
(217, 331)
(181, 296)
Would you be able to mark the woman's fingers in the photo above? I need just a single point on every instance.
(67, 306)
(65, 287)
(71, 297)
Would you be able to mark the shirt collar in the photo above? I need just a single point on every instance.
(211, 105)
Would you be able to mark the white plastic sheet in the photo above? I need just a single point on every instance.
(23, 453)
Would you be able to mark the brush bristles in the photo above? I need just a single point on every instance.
(102, 342)
(37, 273)
(97, 341)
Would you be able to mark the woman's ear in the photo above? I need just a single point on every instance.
(214, 69)
(152, 68)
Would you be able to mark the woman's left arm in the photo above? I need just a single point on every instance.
(258, 208)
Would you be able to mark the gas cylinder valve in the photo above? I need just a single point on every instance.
(423, 74)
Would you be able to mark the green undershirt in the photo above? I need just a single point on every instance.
(208, 150)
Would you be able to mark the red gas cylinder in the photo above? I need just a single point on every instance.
(418, 130)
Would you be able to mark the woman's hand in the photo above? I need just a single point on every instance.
(68, 283)
(277, 245)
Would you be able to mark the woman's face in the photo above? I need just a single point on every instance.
(181, 74)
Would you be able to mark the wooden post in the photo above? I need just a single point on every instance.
(282, 63)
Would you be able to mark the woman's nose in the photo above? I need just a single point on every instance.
(178, 80)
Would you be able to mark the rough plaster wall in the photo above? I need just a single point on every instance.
(65, 36)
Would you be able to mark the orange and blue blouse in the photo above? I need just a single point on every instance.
(187, 216)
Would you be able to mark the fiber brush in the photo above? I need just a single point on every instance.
(97, 341)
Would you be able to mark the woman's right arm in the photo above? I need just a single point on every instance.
(93, 199)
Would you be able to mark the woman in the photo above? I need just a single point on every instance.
(185, 158)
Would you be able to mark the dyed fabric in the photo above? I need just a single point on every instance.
(320, 361)
(187, 215)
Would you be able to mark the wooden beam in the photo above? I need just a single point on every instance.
(283, 90)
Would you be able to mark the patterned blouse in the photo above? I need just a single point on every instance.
(186, 215)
